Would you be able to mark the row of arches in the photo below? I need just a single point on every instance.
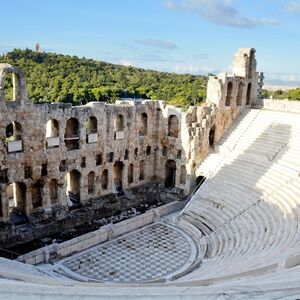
(240, 93)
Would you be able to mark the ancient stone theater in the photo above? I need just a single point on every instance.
(142, 200)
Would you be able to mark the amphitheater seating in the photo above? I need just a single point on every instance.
(248, 208)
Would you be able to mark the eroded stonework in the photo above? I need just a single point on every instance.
(55, 157)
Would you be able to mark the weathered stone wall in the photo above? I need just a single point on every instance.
(132, 143)
(281, 105)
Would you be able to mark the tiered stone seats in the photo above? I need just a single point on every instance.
(250, 202)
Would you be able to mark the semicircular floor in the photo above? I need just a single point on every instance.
(154, 252)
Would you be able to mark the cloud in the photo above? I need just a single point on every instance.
(221, 12)
(283, 79)
(193, 69)
(159, 44)
(127, 63)
(293, 6)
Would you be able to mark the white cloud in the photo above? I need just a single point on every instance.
(193, 69)
(127, 63)
(283, 79)
(163, 44)
(221, 12)
(293, 6)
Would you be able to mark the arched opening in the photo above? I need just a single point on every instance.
(36, 194)
(144, 124)
(12, 84)
(248, 97)
(8, 87)
(182, 175)
(92, 125)
(229, 93)
(73, 188)
(148, 150)
(164, 151)
(130, 174)
(104, 180)
(92, 130)
(136, 153)
(16, 194)
(91, 183)
(99, 159)
(118, 174)
(52, 133)
(173, 126)
(200, 180)
(170, 173)
(142, 170)
(14, 137)
(14, 132)
(119, 122)
(72, 134)
(211, 136)
(52, 129)
(240, 94)
(126, 154)
(53, 191)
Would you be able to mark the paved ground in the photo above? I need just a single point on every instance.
(151, 253)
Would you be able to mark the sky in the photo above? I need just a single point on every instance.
(182, 36)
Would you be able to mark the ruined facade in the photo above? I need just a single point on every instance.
(56, 155)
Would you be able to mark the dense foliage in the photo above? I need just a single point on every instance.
(293, 94)
(62, 78)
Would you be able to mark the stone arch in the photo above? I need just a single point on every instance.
(37, 194)
(18, 83)
(126, 154)
(73, 182)
(182, 175)
(144, 124)
(148, 150)
(142, 170)
(170, 173)
(248, 96)
(13, 134)
(92, 130)
(52, 133)
(104, 180)
(130, 175)
(72, 134)
(92, 125)
(53, 191)
(211, 136)
(91, 182)
(16, 194)
(239, 99)
(173, 126)
(229, 93)
(52, 128)
(119, 122)
(118, 174)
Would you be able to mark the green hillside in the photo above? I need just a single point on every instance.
(54, 77)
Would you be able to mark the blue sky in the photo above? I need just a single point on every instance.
(183, 36)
